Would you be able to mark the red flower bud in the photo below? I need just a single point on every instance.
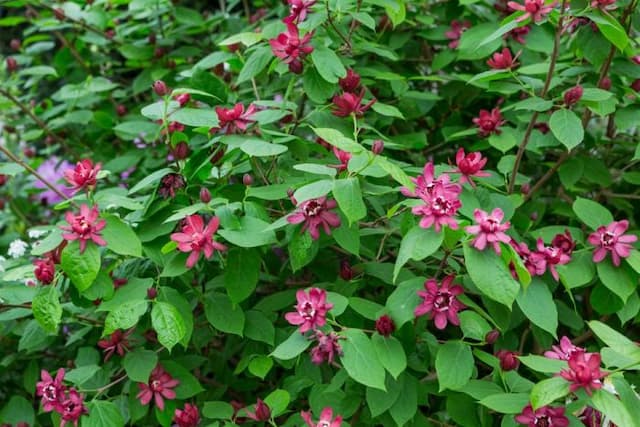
(385, 325)
(492, 336)
(159, 52)
(295, 66)
(3, 179)
(605, 83)
(12, 65)
(378, 146)
(573, 95)
(525, 188)
(160, 88)
(121, 110)
(508, 360)
(15, 44)
(45, 270)
(152, 38)
(350, 82)
(152, 293)
(29, 152)
(636, 85)
(217, 155)
(59, 14)
(180, 151)
(346, 272)
(205, 195)
(110, 33)
(182, 99)
(247, 179)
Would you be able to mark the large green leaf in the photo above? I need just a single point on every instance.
(223, 314)
(403, 301)
(291, 347)
(256, 62)
(120, 238)
(360, 359)
(536, 302)
(138, 364)
(328, 64)
(491, 275)
(125, 315)
(547, 391)
(592, 213)
(454, 365)
(47, 309)
(619, 280)
(417, 244)
(81, 268)
(102, 413)
(567, 127)
(349, 197)
(168, 324)
(390, 353)
(241, 273)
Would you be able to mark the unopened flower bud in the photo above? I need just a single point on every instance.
(492, 336)
(295, 66)
(605, 83)
(121, 110)
(378, 146)
(525, 188)
(183, 99)
(152, 38)
(159, 52)
(59, 14)
(385, 325)
(110, 33)
(12, 65)
(180, 151)
(152, 293)
(205, 195)
(247, 179)
(636, 85)
(508, 360)
(573, 95)
(15, 44)
(160, 88)
(346, 272)
(3, 179)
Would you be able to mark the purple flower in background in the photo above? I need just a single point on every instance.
(52, 170)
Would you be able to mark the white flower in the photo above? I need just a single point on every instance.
(35, 233)
(17, 248)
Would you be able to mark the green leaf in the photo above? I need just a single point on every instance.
(395, 171)
(454, 365)
(610, 28)
(256, 62)
(404, 409)
(241, 273)
(197, 117)
(189, 385)
(613, 408)
(390, 353)
(349, 197)
(314, 190)
(258, 148)
(81, 375)
(150, 179)
(47, 309)
(580, 271)
(506, 403)
(247, 39)
(102, 413)
(260, 366)
(17, 409)
(302, 250)
(417, 244)
(619, 280)
(490, 274)
(138, 364)
(81, 268)
(360, 360)
(387, 110)
(567, 128)
(380, 401)
(614, 339)
(259, 327)
(473, 325)
(403, 301)
(277, 401)
(592, 213)
(547, 391)
(223, 314)
(125, 316)
(317, 88)
(634, 260)
(348, 237)
(368, 309)
(168, 324)
(253, 232)
(328, 64)
(217, 410)
(291, 347)
(337, 139)
(120, 238)
(536, 302)
(205, 83)
(543, 364)
(533, 104)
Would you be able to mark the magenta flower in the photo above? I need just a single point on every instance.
(83, 175)
(563, 351)
(351, 82)
(542, 417)
(51, 391)
(489, 229)
(117, 342)
(427, 182)
(84, 226)
(326, 418)
(439, 210)
(289, 47)
(298, 10)
(234, 120)
(503, 60)
(197, 238)
(573, 95)
(159, 387)
(327, 348)
(261, 412)
(349, 103)
(508, 360)
(315, 213)
(454, 34)
(612, 239)
(553, 256)
(604, 4)
(187, 417)
(534, 9)
(45, 270)
(441, 302)
(518, 34)
(385, 325)
(591, 417)
(584, 372)
(311, 310)
(564, 242)
(534, 262)
(72, 408)
(343, 157)
(489, 122)
(470, 165)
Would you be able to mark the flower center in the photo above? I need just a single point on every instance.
(607, 239)
(198, 241)
(155, 385)
(490, 225)
(442, 300)
(440, 206)
(307, 311)
(543, 421)
(312, 208)
(50, 392)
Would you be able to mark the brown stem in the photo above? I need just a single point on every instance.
(333, 25)
(545, 89)
(42, 125)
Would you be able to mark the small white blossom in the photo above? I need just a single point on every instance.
(35, 233)
(17, 248)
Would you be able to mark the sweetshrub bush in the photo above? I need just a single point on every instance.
(321, 213)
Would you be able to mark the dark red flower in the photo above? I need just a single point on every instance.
(604, 4)
(83, 175)
(454, 34)
(84, 226)
(346, 271)
(605, 83)
(343, 157)
(351, 82)
(260, 413)
(489, 122)
(441, 302)
(348, 103)
(205, 195)
(635, 85)
(502, 60)
(183, 98)
(592, 418)
(584, 372)
(534, 9)
(470, 165)
(247, 179)
(377, 147)
(518, 34)
(180, 151)
(72, 408)
(15, 44)
(563, 351)
(45, 270)
(385, 325)
(492, 336)
(298, 10)
(189, 416)
(542, 417)
(160, 88)
(51, 391)
(564, 242)
(159, 387)
(573, 95)
(316, 213)
(121, 110)
(326, 350)
(508, 360)
(116, 342)
(175, 127)
(196, 238)
(234, 120)
(311, 310)
(553, 256)
(534, 262)
(292, 49)
(169, 184)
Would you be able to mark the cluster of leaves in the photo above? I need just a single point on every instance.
(141, 311)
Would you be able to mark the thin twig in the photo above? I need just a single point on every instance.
(333, 25)
(42, 125)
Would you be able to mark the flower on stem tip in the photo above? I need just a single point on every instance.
(83, 175)
(553, 256)
(454, 34)
(159, 387)
(260, 412)
(535, 9)
(315, 213)
(233, 120)
(196, 238)
(503, 60)
(343, 157)
(84, 226)
(441, 302)
(545, 416)
(563, 351)
(470, 165)
(534, 262)
(351, 82)
(117, 342)
(45, 270)
(489, 122)
(584, 372)
(292, 49)
(298, 10)
(51, 391)
(508, 360)
(427, 183)
(327, 348)
(612, 239)
(439, 210)
(311, 310)
(72, 408)
(603, 4)
(489, 229)
(349, 103)
(385, 325)
(326, 418)
(189, 416)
